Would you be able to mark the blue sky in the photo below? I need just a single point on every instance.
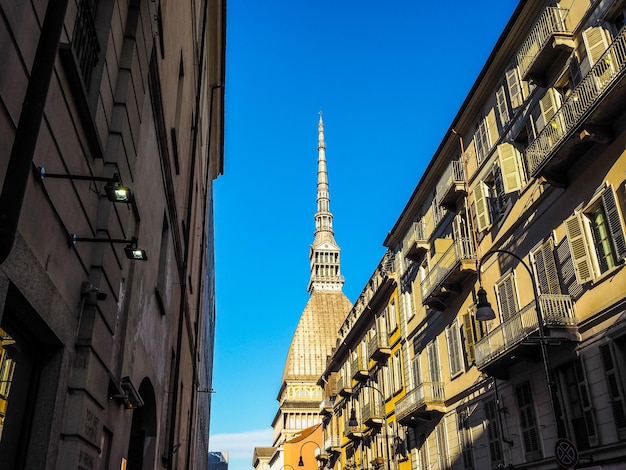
(389, 78)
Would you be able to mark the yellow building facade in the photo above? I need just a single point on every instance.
(501, 300)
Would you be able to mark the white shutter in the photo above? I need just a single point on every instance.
(483, 219)
(614, 222)
(503, 107)
(549, 104)
(515, 90)
(579, 248)
(596, 41)
(508, 157)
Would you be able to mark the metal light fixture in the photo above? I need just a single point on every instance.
(131, 250)
(301, 461)
(113, 189)
(353, 422)
(129, 397)
(484, 312)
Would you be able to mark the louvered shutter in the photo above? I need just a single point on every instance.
(614, 222)
(596, 41)
(506, 298)
(508, 157)
(468, 328)
(503, 107)
(615, 390)
(549, 103)
(528, 424)
(545, 267)
(515, 90)
(483, 219)
(581, 257)
(585, 400)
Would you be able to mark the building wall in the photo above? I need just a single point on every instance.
(525, 198)
(91, 327)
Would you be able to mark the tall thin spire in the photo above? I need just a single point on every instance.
(324, 255)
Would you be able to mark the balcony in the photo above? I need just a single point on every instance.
(549, 41)
(354, 433)
(420, 405)
(451, 188)
(416, 243)
(321, 455)
(584, 117)
(378, 346)
(372, 414)
(457, 262)
(359, 367)
(344, 386)
(327, 406)
(516, 339)
(332, 444)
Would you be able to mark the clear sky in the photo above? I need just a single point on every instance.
(389, 78)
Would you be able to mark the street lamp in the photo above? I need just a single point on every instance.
(484, 312)
(353, 421)
(300, 461)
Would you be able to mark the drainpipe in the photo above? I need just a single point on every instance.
(25, 142)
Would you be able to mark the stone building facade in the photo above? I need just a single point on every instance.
(111, 118)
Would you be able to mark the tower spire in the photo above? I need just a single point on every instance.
(324, 254)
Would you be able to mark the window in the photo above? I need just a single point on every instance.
(490, 193)
(442, 444)
(396, 371)
(596, 236)
(415, 370)
(549, 104)
(575, 401)
(546, 271)
(528, 422)
(393, 316)
(494, 435)
(482, 136)
(615, 385)
(597, 40)
(465, 438)
(508, 305)
(472, 332)
(454, 349)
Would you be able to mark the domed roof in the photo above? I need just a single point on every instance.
(315, 335)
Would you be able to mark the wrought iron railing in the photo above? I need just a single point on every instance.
(380, 340)
(424, 394)
(371, 411)
(605, 72)
(327, 404)
(552, 21)
(332, 442)
(85, 41)
(557, 311)
(454, 174)
(461, 249)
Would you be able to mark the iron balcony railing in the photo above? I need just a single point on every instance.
(359, 366)
(423, 395)
(592, 88)
(557, 311)
(332, 442)
(461, 249)
(327, 404)
(344, 384)
(552, 21)
(453, 175)
(413, 240)
(371, 411)
(380, 340)
(85, 41)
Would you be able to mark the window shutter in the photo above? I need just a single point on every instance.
(515, 90)
(468, 328)
(508, 157)
(585, 400)
(614, 222)
(545, 267)
(596, 41)
(483, 219)
(506, 298)
(503, 107)
(549, 103)
(614, 386)
(578, 247)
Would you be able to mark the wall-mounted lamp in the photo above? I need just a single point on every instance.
(300, 461)
(113, 189)
(129, 397)
(484, 312)
(131, 250)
